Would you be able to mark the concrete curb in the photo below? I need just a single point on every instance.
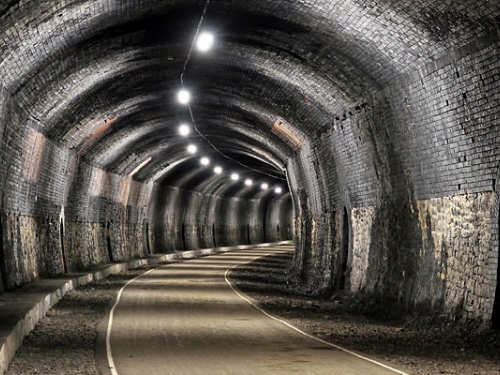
(26, 324)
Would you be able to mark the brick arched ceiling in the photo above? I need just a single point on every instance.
(101, 76)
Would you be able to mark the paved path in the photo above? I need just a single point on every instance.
(186, 319)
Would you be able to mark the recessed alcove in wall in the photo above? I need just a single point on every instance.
(495, 316)
(108, 241)
(146, 238)
(63, 248)
(3, 270)
(345, 250)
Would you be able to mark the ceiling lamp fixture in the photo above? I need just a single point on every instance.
(183, 96)
(192, 149)
(184, 130)
(278, 190)
(235, 177)
(204, 42)
(205, 161)
(218, 170)
(264, 186)
(248, 182)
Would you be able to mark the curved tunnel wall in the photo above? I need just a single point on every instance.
(62, 214)
(185, 220)
(58, 211)
(398, 130)
(415, 166)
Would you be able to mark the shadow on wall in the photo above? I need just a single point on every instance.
(302, 263)
(393, 262)
(402, 266)
(146, 240)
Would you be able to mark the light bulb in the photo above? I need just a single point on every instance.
(205, 161)
(184, 130)
(192, 149)
(204, 42)
(183, 96)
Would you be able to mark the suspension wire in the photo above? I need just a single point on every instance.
(204, 137)
(194, 41)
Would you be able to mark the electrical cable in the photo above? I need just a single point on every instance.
(204, 137)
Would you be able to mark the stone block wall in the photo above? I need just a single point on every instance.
(457, 233)
(449, 271)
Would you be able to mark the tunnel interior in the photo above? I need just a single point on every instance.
(365, 131)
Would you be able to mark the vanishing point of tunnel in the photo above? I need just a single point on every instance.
(365, 131)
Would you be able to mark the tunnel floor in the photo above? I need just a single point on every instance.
(188, 319)
(63, 342)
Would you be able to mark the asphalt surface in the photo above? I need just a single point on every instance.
(186, 318)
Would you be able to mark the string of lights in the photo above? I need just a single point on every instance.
(203, 41)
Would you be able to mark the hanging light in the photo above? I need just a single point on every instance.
(218, 170)
(183, 96)
(205, 161)
(235, 177)
(184, 130)
(278, 190)
(204, 41)
(264, 186)
(248, 182)
(192, 149)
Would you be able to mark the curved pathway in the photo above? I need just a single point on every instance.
(186, 318)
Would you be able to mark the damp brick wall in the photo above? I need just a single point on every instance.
(397, 131)
(415, 165)
(55, 211)
(447, 129)
(439, 127)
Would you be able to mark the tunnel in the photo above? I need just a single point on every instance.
(365, 131)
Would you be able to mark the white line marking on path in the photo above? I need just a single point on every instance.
(111, 362)
(302, 332)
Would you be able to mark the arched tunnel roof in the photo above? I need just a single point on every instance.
(102, 76)
(377, 119)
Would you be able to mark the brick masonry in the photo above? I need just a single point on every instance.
(186, 220)
(64, 214)
(50, 204)
(416, 167)
(385, 114)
